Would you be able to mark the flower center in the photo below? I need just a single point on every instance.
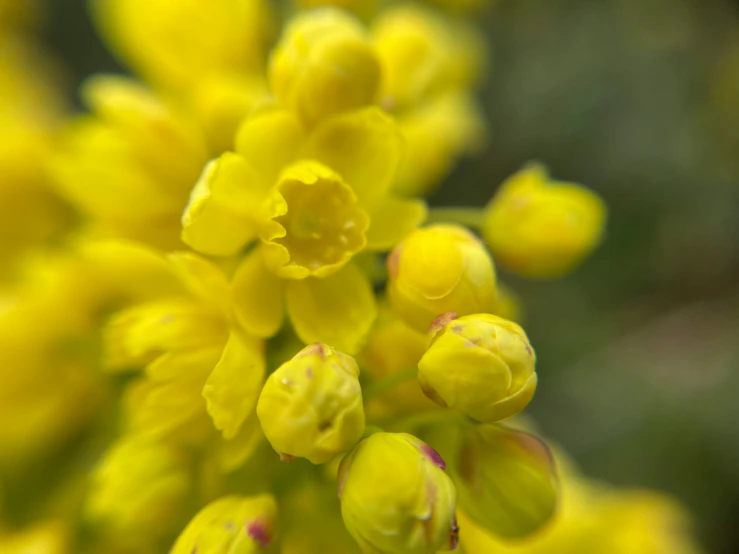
(322, 225)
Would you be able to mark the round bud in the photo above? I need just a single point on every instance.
(311, 406)
(481, 365)
(395, 496)
(440, 269)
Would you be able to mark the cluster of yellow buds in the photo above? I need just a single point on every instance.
(197, 268)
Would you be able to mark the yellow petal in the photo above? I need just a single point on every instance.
(338, 310)
(134, 335)
(392, 219)
(269, 140)
(363, 146)
(202, 278)
(177, 43)
(257, 296)
(233, 387)
(219, 218)
(231, 454)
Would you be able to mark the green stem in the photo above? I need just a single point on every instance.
(383, 385)
(468, 216)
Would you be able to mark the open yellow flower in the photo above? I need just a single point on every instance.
(313, 199)
(202, 369)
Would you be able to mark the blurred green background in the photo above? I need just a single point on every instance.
(639, 349)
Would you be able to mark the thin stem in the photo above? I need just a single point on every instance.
(378, 387)
(468, 216)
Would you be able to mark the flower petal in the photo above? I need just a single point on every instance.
(269, 139)
(392, 219)
(363, 146)
(257, 296)
(337, 310)
(202, 278)
(233, 387)
(219, 219)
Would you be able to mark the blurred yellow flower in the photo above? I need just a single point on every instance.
(506, 481)
(43, 538)
(137, 492)
(130, 166)
(394, 349)
(323, 65)
(542, 228)
(180, 43)
(596, 518)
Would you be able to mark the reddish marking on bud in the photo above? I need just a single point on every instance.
(434, 456)
(440, 322)
(309, 372)
(393, 262)
(432, 395)
(315, 349)
(454, 535)
(258, 531)
(287, 457)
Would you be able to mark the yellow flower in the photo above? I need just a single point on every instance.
(359, 7)
(180, 43)
(439, 269)
(394, 348)
(506, 480)
(314, 199)
(137, 491)
(430, 65)
(31, 109)
(130, 166)
(542, 228)
(233, 524)
(202, 369)
(595, 517)
(43, 538)
(311, 406)
(324, 65)
(395, 496)
(481, 365)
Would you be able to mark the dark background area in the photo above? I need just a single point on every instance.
(639, 348)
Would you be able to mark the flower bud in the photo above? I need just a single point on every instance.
(324, 65)
(481, 365)
(440, 269)
(506, 481)
(311, 406)
(233, 524)
(137, 491)
(542, 228)
(395, 496)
